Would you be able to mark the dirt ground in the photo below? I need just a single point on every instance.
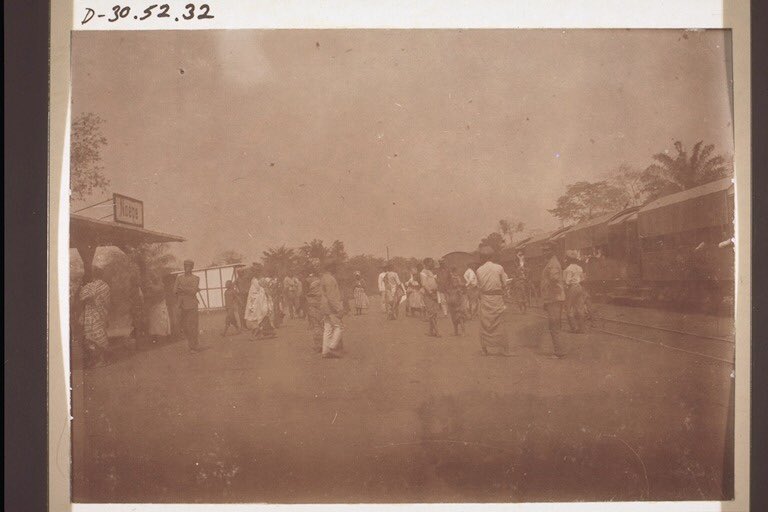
(402, 418)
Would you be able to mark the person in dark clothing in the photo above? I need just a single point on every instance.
(232, 306)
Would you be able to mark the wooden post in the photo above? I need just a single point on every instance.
(87, 252)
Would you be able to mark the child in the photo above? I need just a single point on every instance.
(458, 303)
(232, 304)
(361, 298)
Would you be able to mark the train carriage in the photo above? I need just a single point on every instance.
(677, 249)
(684, 247)
(607, 247)
(459, 260)
(533, 253)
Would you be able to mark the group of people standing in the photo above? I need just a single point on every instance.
(91, 306)
(430, 290)
(260, 304)
(563, 288)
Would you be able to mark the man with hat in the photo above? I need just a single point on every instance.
(552, 296)
(491, 280)
(332, 307)
(185, 289)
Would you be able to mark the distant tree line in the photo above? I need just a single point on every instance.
(282, 260)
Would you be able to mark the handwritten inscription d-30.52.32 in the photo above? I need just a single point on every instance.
(123, 12)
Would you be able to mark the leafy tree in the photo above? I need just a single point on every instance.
(278, 261)
(668, 174)
(337, 251)
(86, 175)
(494, 240)
(510, 228)
(631, 181)
(584, 200)
(227, 257)
(403, 266)
(369, 267)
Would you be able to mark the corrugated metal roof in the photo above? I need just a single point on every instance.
(627, 217)
(543, 236)
(692, 193)
(557, 235)
(593, 222)
(540, 237)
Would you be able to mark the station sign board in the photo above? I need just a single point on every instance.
(128, 210)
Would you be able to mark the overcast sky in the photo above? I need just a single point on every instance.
(421, 140)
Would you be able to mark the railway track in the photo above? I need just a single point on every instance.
(729, 342)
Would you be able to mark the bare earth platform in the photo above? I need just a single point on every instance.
(402, 417)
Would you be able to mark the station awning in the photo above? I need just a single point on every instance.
(85, 231)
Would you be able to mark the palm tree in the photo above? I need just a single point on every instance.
(669, 175)
(314, 249)
(278, 260)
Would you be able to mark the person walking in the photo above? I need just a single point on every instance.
(232, 307)
(473, 293)
(393, 292)
(519, 289)
(360, 297)
(491, 281)
(458, 305)
(333, 312)
(300, 306)
(291, 292)
(552, 296)
(258, 310)
(429, 294)
(95, 297)
(443, 285)
(274, 290)
(138, 313)
(383, 289)
(415, 299)
(314, 299)
(185, 289)
(243, 285)
(573, 275)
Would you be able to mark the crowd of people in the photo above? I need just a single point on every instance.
(259, 304)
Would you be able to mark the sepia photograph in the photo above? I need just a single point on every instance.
(402, 266)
